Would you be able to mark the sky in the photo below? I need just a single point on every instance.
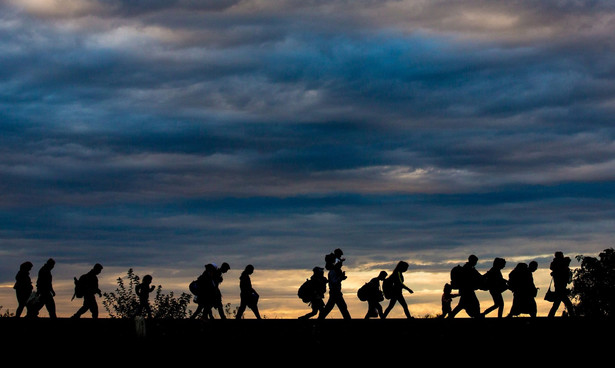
(162, 135)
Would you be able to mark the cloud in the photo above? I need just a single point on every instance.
(167, 133)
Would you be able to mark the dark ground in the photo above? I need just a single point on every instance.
(418, 342)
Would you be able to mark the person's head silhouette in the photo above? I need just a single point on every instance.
(472, 260)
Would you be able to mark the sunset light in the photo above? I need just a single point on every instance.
(165, 136)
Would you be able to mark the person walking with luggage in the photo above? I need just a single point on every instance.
(496, 284)
(44, 289)
(521, 283)
(205, 293)
(562, 276)
(314, 288)
(397, 287)
(468, 283)
(375, 296)
(89, 286)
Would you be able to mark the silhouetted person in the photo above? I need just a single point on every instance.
(247, 294)
(521, 283)
(335, 278)
(496, 284)
(23, 287)
(217, 302)
(469, 283)
(143, 290)
(562, 276)
(318, 286)
(206, 292)
(397, 288)
(90, 290)
(44, 288)
(374, 296)
(447, 299)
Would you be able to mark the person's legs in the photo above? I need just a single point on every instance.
(341, 304)
(404, 305)
(389, 307)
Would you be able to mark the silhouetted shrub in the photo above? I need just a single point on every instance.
(124, 301)
(594, 285)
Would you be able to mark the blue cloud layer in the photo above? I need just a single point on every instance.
(154, 130)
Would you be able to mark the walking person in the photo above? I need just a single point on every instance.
(521, 283)
(335, 277)
(44, 289)
(205, 293)
(496, 284)
(312, 291)
(397, 287)
(143, 290)
(23, 287)
(217, 300)
(248, 296)
(447, 299)
(468, 283)
(88, 283)
(562, 276)
(374, 296)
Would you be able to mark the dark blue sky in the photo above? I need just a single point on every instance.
(168, 133)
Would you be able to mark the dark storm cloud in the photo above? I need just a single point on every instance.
(150, 129)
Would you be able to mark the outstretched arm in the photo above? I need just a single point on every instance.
(403, 285)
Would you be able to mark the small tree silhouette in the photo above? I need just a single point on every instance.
(124, 301)
(594, 285)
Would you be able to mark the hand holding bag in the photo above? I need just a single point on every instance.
(550, 294)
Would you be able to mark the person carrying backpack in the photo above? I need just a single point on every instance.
(313, 292)
(496, 284)
(562, 276)
(469, 281)
(397, 287)
(88, 285)
(373, 296)
(205, 293)
(521, 283)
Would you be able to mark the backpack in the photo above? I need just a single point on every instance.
(456, 276)
(484, 283)
(194, 287)
(387, 287)
(79, 286)
(363, 292)
(514, 280)
(491, 282)
(306, 291)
